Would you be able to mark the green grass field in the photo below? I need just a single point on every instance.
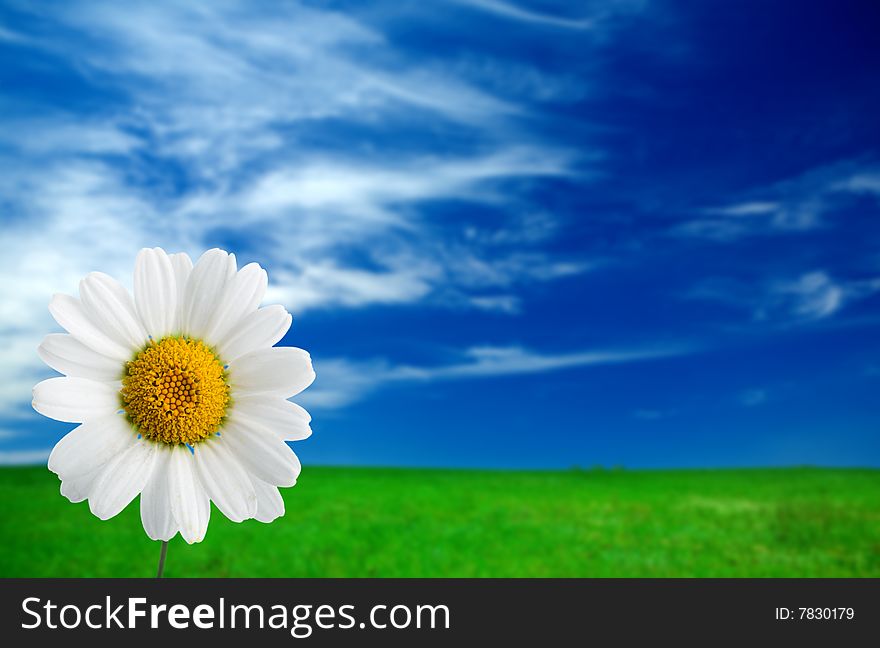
(360, 522)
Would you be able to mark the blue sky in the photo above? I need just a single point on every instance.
(511, 234)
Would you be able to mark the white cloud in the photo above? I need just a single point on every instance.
(745, 209)
(797, 204)
(515, 12)
(739, 220)
(811, 296)
(24, 457)
(59, 134)
(497, 361)
(367, 187)
(597, 18)
(501, 303)
(207, 130)
(341, 382)
(860, 183)
(323, 284)
(527, 228)
(210, 86)
(211, 81)
(807, 297)
(11, 36)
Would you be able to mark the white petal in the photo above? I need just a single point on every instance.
(242, 296)
(108, 304)
(71, 315)
(190, 505)
(91, 446)
(226, 482)
(182, 266)
(156, 514)
(258, 330)
(155, 292)
(288, 420)
(262, 453)
(76, 489)
(285, 371)
(67, 355)
(204, 291)
(270, 504)
(122, 480)
(73, 400)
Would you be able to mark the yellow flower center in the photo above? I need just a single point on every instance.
(175, 391)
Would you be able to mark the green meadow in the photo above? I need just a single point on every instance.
(366, 522)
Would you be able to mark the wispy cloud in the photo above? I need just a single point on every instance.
(811, 296)
(754, 208)
(799, 204)
(375, 187)
(501, 303)
(224, 118)
(24, 457)
(342, 382)
(807, 297)
(519, 13)
(593, 17)
(246, 72)
(57, 135)
(11, 36)
(860, 183)
(229, 113)
(740, 220)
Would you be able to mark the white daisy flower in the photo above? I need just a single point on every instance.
(180, 394)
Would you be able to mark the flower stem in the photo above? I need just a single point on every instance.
(162, 559)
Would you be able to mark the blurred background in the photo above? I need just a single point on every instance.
(513, 234)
